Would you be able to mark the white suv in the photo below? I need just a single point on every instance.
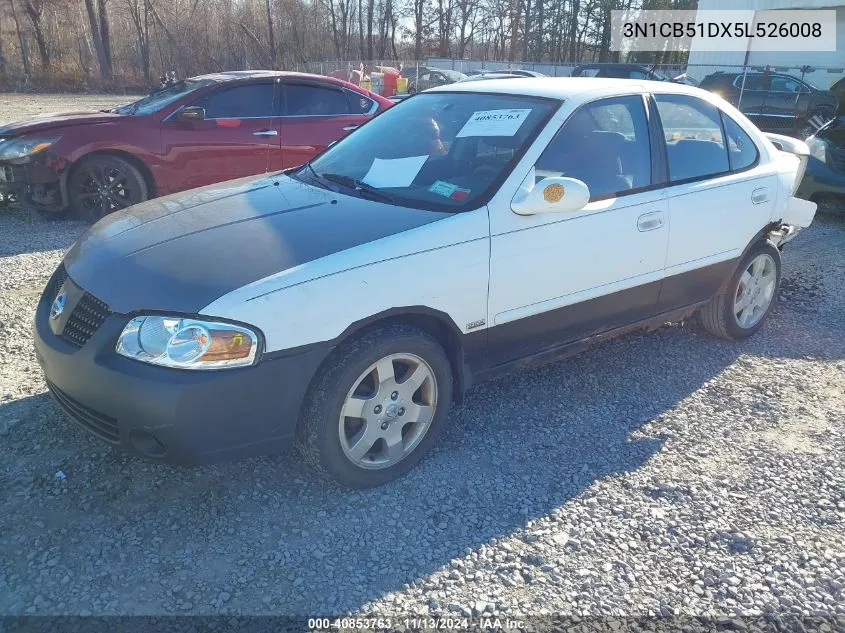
(467, 231)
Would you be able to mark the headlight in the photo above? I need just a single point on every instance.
(13, 148)
(818, 148)
(188, 343)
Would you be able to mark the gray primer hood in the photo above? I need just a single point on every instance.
(181, 252)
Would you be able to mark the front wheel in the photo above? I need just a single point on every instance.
(102, 184)
(740, 308)
(377, 407)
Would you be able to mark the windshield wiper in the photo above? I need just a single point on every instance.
(358, 185)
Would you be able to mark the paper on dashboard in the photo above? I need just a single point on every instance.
(394, 172)
(494, 123)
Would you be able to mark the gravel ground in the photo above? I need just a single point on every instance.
(658, 473)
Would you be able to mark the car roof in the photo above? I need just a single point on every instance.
(568, 87)
(235, 75)
(613, 65)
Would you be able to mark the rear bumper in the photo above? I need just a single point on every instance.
(820, 180)
(172, 416)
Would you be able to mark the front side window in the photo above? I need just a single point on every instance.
(443, 151)
(751, 82)
(604, 144)
(239, 102)
(693, 133)
(305, 100)
(742, 152)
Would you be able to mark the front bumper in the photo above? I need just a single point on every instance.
(32, 184)
(820, 180)
(181, 417)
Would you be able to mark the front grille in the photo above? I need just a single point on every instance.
(837, 157)
(87, 316)
(58, 280)
(100, 425)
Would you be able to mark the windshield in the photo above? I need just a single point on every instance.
(155, 101)
(443, 151)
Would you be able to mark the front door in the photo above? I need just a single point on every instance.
(316, 115)
(556, 278)
(234, 139)
(783, 103)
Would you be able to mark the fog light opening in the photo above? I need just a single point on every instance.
(146, 443)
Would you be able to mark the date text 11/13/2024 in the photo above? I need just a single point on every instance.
(491, 623)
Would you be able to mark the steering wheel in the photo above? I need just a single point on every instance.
(488, 172)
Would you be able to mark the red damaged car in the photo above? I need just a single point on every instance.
(191, 133)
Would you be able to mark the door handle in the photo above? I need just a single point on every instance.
(266, 133)
(349, 128)
(761, 195)
(650, 221)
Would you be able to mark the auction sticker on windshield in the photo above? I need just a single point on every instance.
(448, 190)
(494, 123)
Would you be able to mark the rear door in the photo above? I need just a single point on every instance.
(316, 115)
(233, 140)
(719, 195)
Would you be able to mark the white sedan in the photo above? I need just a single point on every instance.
(470, 230)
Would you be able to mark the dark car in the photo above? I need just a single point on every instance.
(422, 78)
(191, 133)
(775, 102)
(838, 91)
(824, 178)
(493, 75)
(618, 71)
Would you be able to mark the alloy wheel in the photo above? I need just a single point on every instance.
(388, 411)
(104, 187)
(755, 291)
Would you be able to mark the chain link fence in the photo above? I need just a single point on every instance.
(794, 100)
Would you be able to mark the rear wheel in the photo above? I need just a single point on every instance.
(377, 407)
(739, 310)
(102, 184)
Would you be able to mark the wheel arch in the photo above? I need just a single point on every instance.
(131, 158)
(465, 351)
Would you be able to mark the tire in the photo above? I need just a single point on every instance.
(102, 184)
(722, 317)
(356, 379)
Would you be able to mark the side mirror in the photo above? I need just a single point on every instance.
(192, 113)
(551, 195)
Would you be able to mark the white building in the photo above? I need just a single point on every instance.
(829, 65)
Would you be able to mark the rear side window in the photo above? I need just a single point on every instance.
(693, 132)
(742, 152)
(305, 100)
(605, 144)
(240, 102)
(358, 103)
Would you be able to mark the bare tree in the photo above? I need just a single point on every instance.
(98, 21)
(139, 10)
(35, 11)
